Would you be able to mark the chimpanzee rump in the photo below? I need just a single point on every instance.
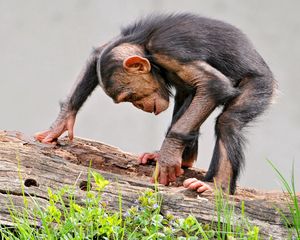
(209, 63)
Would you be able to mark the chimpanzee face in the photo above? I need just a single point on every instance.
(134, 83)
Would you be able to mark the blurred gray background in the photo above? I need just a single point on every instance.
(44, 44)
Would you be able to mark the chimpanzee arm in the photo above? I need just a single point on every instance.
(182, 100)
(85, 84)
(211, 89)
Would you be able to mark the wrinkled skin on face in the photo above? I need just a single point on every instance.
(150, 101)
(134, 83)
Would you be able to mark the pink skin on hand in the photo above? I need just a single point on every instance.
(50, 136)
(197, 185)
(190, 183)
(165, 174)
(168, 174)
(146, 157)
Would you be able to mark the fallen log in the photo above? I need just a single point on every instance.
(39, 167)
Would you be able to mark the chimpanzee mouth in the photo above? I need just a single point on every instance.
(154, 108)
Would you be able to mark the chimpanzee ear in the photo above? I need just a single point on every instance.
(137, 65)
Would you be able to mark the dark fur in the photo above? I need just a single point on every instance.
(187, 38)
(86, 84)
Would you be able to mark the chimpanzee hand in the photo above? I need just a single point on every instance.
(65, 122)
(169, 162)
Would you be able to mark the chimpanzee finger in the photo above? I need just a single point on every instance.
(163, 176)
(140, 158)
(146, 157)
(144, 160)
(189, 181)
(172, 174)
(50, 138)
(178, 171)
(203, 188)
(40, 136)
(195, 185)
(43, 137)
(70, 128)
(70, 133)
(52, 135)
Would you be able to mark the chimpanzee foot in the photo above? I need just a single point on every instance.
(197, 185)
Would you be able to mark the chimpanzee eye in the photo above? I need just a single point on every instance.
(129, 97)
(132, 97)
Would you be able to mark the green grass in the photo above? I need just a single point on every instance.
(67, 220)
(230, 225)
(64, 218)
(292, 223)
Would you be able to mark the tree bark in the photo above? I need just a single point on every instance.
(39, 167)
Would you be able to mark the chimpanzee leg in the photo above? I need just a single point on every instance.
(228, 156)
(190, 153)
(182, 101)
